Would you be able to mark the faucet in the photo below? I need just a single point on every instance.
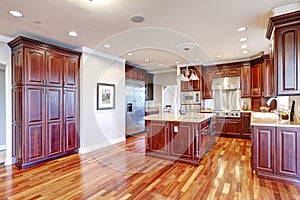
(270, 100)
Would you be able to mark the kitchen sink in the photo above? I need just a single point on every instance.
(269, 116)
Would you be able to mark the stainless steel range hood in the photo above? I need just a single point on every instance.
(226, 83)
(226, 93)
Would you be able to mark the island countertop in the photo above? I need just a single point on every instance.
(176, 117)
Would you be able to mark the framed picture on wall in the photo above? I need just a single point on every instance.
(105, 96)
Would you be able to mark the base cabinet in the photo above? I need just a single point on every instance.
(181, 141)
(275, 152)
(45, 100)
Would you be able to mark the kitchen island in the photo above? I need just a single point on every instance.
(183, 138)
(275, 147)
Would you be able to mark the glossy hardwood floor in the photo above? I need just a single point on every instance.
(123, 172)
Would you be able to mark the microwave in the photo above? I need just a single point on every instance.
(190, 97)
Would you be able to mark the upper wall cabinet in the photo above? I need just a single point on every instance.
(192, 85)
(284, 31)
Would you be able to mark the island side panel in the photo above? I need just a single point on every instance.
(157, 137)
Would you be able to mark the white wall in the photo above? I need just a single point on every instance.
(99, 128)
(5, 60)
(2, 109)
(162, 79)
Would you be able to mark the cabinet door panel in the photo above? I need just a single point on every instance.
(158, 140)
(70, 103)
(54, 70)
(256, 80)
(207, 81)
(288, 154)
(71, 69)
(71, 119)
(34, 66)
(263, 149)
(181, 140)
(288, 46)
(35, 104)
(54, 121)
(35, 140)
(245, 82)
(17, 67)
(233, 126)
(71, 133)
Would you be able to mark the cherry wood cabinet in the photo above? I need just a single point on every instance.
(71, 71)
(157, 137)
(233, 126)
(268, 86)
(288, 152)
(246, 122)
(207, 81)
(192, 85)
(45, 88)
(132, 72)
(219, 125)
(276, 153)
(149, 86)
(245, 82)
(263, 142)
(71, 119)
(181, 140)
(256, 80)
(284, 34)
(227, 72)
(287, 41)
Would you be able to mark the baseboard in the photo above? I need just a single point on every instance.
(95, 147)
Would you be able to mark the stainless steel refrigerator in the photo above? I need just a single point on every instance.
(135, 107)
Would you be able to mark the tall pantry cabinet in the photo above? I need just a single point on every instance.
(45, 95)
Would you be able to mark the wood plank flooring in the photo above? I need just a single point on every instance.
(123, 172)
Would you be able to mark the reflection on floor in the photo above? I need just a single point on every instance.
(122, 171)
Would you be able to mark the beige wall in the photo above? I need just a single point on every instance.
(162, 79)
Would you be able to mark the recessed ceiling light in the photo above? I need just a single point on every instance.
(147, 60)
(107, 46)
(242, 28)
(245, 52)
(72, 33)
(160, 65)
(244, 46)
(15, 13)
(196, 59)
(219, 56)
(243, 39)
(129, 54)
(137, 19)
(177, 62)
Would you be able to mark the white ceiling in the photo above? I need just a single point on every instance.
(211, 24)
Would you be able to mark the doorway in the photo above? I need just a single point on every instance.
(2, 116)
(169, 98)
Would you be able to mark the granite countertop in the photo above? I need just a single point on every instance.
(269, 119)
(190, 117)
(152, 108)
